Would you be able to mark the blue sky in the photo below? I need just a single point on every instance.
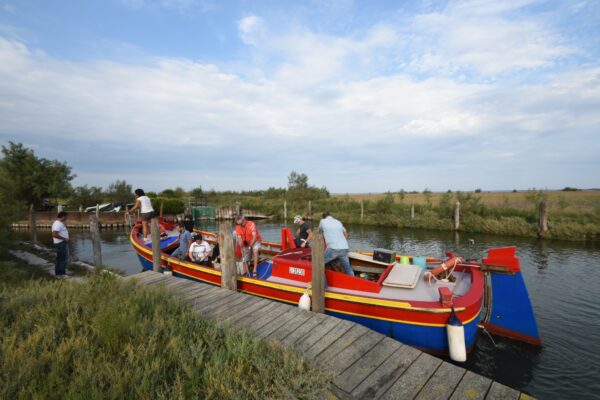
(362, 96)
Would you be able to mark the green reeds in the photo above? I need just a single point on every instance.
(108, 339)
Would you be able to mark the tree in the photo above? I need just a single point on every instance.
(197, 192)
(30, 180)
(86, 196)
(120, 192)
(297, 181)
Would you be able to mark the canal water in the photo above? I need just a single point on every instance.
(562, 279)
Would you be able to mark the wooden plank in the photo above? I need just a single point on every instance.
(472, 386)
(296, 322)
(318, 272)
(314, 351)
(251, 304)
(201, 303)
(194, 293)
(246, 319)
(150, 276)
(274, 313)
(205, 296)
(414, 378)
(351, 354)
(222, 300)
(442, 383)
(307, 327)
(274, 324)
(365, 365)
(380, 380)
(225, 308)
(341, 342)
(185, 292)
(499, 391)
(308, 340)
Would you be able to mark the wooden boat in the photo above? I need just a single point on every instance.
(490, 293)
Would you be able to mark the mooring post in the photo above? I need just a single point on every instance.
(412, 210)
(96, 241)
(362, 210)
(155, 234)
(285, 210)
(456, 215)
(161, 208)
(543, 223)
(228, 268)
(318, 272)
(98, 211)
(32, 224)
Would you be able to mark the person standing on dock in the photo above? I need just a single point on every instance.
(337, 244)
(60, 237)
(249, 240)
(303, 233)
(144, 204)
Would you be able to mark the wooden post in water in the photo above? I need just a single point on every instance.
(362, 210)
(96, 241)
(228, 268)
(155, 233)
(412, 210)
(161, 208)
(98, 211)
(318, 272)
(543, 223)
(456, 215)
(32, 224)
(285, 210)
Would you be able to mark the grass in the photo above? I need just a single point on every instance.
(106, 338)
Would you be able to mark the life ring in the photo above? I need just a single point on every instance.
(437, 271)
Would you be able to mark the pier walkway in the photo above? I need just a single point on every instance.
(365, 364)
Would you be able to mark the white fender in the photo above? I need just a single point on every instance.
(456, 339)
(304, 303)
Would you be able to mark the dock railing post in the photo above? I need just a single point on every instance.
(96, 241)
(456, 215)
(228, 268)
(543, 215)
(155, 234)
(32, 224)
(318, 272)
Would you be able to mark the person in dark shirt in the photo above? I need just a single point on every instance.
(303, 233)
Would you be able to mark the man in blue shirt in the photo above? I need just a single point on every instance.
(185, 238)
(337, 246)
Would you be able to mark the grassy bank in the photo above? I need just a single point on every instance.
(572, 215)
(109, 339)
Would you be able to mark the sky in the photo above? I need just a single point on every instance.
(361, 96)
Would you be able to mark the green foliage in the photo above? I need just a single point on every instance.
(86, 196)
(170, 205)
(536, 196)
(297, 181)
(470, 203)
(109, 339)
(169, 193)
(570, 189)
(197, 192)
(120, 192)
(28, 179)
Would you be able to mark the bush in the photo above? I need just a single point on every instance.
(170, 206)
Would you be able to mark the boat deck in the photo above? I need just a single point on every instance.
(364, 363)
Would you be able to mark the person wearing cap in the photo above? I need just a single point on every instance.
(200, 250)
(249, 240)
(303, 233)
(337, 244)
(185, 239)
(60, 238)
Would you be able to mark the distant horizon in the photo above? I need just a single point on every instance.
(358, 95)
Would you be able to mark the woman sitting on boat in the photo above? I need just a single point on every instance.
(200, 250)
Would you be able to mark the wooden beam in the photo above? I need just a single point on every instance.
(228, 268)
(318, 272)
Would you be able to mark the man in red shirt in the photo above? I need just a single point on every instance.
(249, 239)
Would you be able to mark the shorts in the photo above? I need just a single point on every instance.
(147, 216)
(247, 254)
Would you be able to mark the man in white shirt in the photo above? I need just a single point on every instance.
(60, 237)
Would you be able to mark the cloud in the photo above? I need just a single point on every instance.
(250, 29)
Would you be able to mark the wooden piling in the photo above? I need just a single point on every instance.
(96, 241)
(32, 224)
(155, 233)
(318, 273)
(412, 210)
(161, 208)
(362, 210)
(285, 210)
(543, 218)
(456, 215)
(228, 268)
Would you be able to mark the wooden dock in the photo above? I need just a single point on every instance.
(365, 364)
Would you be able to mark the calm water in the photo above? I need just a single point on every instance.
(562, 279)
